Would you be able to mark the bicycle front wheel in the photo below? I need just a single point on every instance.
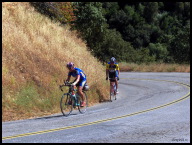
(66, 104)
(82, 109)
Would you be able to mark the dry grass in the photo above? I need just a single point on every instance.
(154, 67)
(34, 54)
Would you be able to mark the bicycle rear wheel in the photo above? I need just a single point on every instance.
(84, 108)
(111, 93)
(114, 96)
(66, 104)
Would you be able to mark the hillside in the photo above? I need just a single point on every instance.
(35, 51)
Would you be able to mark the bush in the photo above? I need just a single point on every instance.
(159, 51)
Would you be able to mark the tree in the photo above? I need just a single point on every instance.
(114, 45)
(159, 51)
(90, 21)
(110, 9)
(180, 45)
(119, 21)
(150, 11)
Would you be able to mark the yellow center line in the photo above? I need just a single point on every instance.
(108, 119)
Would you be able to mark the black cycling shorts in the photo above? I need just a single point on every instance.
(112, 76)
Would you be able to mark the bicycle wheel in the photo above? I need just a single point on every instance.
(114, 93)
(111, 93)
(84, 108)
(66, 104)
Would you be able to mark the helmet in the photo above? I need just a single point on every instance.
(70, 64)
(113, 59)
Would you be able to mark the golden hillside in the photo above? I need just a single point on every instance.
(35, 51)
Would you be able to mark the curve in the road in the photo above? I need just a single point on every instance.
(109, 119)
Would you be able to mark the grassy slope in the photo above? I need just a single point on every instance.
(35, 51)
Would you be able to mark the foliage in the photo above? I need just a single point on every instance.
(160, 28)
(59, 11)
(180, 46)
(159, 51)
(89, 21)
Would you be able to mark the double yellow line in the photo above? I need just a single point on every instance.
(108, 119)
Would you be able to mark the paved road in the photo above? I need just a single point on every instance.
(150, 108)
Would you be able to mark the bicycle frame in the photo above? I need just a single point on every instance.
(71, 100)
(112, 90)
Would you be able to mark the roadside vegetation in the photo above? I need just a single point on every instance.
(134, 32)
(35, 50)
(154, 67)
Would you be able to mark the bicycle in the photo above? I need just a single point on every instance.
(72, 100)
(113, 94)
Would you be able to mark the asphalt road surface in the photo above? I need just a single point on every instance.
(150, 108)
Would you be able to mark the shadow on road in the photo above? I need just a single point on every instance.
(55, 116)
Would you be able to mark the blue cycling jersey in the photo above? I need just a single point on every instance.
(77, 71)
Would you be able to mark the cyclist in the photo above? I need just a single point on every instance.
(112, 71)
(80, 79)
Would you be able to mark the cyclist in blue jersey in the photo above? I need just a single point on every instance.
(79, 81)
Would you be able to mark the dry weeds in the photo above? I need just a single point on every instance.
(154, 67)
(35, 51)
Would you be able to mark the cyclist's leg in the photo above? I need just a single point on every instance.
(111, 75)
(111, 86)
(80, 90)
(116, 82)
(114, 77)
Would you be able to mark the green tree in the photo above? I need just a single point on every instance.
(90, 21)
(118, 21)
(179, 9)
(180, 45)
(159, 51)
(150, 11)
(110, 9)
(114, 45)
(143, 56)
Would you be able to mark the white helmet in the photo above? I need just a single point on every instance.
(113, 59)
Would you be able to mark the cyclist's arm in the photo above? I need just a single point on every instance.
(68, 78)
(118, 70)
(76, 80)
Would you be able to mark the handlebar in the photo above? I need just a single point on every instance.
(65, 84)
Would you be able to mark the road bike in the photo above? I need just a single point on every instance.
(72, 100)
(113, 94)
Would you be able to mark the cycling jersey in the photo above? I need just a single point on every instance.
(111, 68)
(83, 78)
(77, 72)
